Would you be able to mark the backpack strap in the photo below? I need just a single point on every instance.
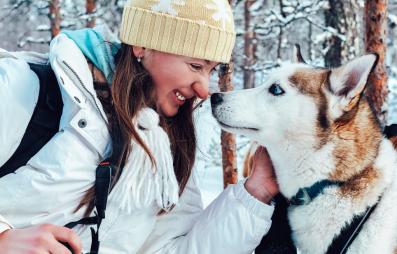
(44, 123)
(103, 178)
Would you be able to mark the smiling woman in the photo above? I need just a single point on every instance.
(129, 105)
(175, 78)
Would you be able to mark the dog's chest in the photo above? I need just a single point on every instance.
(315, 225)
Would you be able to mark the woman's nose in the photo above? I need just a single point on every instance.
(201, 89)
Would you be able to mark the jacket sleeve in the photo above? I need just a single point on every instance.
(235, 222)
(19, 90)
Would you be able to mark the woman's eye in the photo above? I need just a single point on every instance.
(196, 67)
(276, 90)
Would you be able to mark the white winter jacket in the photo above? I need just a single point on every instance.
(49, 187)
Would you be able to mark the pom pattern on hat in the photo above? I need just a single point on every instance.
(201, 29)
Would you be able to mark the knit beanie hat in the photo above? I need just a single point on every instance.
(201, 29)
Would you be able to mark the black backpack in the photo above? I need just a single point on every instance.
(43, 125)
(44, 122)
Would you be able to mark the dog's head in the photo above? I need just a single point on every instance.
(297, 103)
(305, 116)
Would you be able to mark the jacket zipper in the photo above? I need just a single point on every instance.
(86, 90)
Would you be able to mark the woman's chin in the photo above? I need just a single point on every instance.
(168, 110)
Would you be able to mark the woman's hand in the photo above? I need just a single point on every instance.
(262, 184)
(42, 239)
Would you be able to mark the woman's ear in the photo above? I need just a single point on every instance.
(138, 51)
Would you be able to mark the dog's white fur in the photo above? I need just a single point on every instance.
(304, 153)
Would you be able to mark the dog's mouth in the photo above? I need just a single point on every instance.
(237, 127)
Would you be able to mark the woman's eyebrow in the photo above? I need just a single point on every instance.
(209, 63)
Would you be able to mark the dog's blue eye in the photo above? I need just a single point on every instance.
(276, 90)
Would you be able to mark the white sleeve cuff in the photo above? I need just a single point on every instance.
(257, 207)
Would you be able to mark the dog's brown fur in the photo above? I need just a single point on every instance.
(362, 151)
(394, 141)
(311, 83)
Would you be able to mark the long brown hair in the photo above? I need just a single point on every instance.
(132, 90)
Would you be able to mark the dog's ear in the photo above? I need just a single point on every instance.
(348, 81)
(297, 56)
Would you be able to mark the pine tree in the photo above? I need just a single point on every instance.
(249, 46)
(54, 15)
(341, 16)
(228, 140)
(375, 41)
(90, 7)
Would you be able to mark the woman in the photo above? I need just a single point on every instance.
(143, 122)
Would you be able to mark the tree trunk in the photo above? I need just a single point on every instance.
(281, 34)
(55, 17)
(228, 140)
(351, 46)
(333, 18)
(90, 7)
(249, 46)
(342, 16)
(375, 41)
(310, 41)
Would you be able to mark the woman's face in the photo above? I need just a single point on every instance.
(176, 78)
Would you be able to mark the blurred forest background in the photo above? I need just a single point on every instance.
(329, 32)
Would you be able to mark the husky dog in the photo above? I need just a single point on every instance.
(330, 157)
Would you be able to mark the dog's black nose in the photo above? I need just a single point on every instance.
(216, 98)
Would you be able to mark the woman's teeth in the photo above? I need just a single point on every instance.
(180, 96)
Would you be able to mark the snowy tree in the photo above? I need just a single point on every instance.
(90, 7)
(278, 26)
(54, 15)
(249, 46)
(391, 62)
(228, 140)
(375, 41)
(341, 16)
(43, 16)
